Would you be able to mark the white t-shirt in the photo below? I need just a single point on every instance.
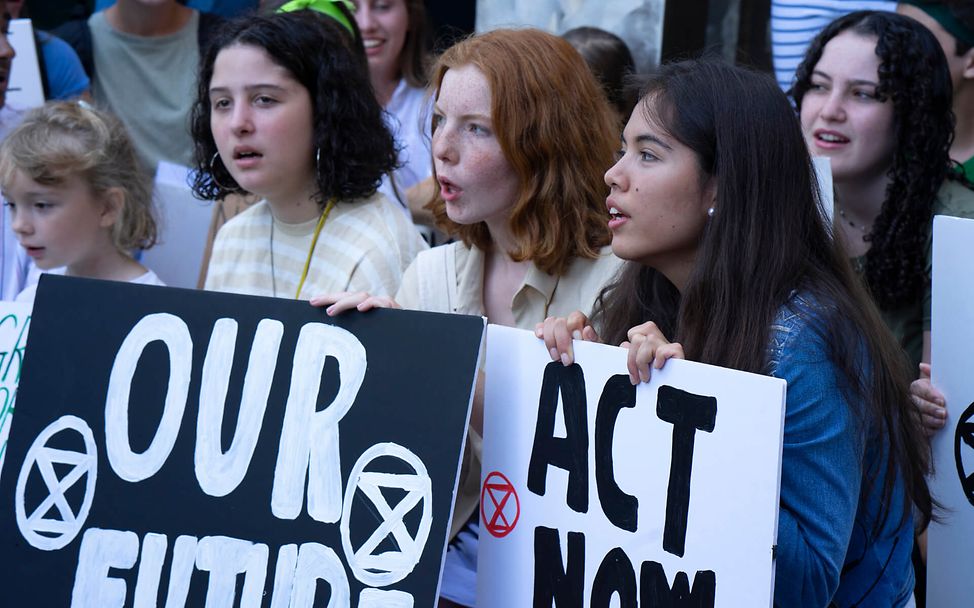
(408, 118)
(149, 278)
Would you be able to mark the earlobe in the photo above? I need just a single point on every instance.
(113, 201)
(968, 72)
(710, 196)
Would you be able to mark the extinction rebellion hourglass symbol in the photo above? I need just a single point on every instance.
(964, 451)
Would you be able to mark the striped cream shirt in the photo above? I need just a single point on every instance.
(364, 245)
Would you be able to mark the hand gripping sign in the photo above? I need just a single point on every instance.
(595, 489)
(185, 448)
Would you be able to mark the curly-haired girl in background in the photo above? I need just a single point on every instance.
(77, 196)
(875, 97)
(285, 111)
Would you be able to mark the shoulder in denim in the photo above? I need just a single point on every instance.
(801, 310)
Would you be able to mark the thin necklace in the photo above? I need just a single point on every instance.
(311, 250)
(859, 227)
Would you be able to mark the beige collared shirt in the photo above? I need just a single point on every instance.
(540, 295)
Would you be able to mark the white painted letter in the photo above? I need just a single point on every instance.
(181, 572)
(376, 598)
(287, 561)
(224, 558)
(172, 331)
(101, 550)
(150, 568)
(309, 439)
(319, 562)
(220, 473)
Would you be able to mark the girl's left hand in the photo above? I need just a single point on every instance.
(647, 345)
(346, 300)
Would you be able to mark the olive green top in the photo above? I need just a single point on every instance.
(908, 322)
(968, 168)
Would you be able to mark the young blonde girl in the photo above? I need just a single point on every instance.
(79, 202)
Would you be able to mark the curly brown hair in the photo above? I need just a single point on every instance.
(913, 75)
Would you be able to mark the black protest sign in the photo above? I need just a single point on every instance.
(181, 448)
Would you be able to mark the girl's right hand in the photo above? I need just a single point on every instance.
(558, 332)
(347, 300)
(647, 345)
(929, 401)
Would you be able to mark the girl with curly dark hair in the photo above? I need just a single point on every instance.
(284, 110)
(874, 95)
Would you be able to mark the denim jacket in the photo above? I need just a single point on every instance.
(825, 553)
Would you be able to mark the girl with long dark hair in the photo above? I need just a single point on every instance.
(731, 258)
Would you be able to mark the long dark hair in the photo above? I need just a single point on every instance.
(355, 147)
(766, 241)
(913, 74)
(414, 57)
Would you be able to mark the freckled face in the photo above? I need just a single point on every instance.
(476, 180)
(658, 201)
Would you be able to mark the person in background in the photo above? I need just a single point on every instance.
(729, 257)
(76, 194)
(952, 23)
(795, 22)
(610, 60)
(284, 111)
(959, 16)
(62, 74)
(396, 37)
(15, 266)
(874, 96)
(142, 56)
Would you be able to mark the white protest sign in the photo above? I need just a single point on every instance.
(950, 544)
(184, 222)
(823, 175)
(595, 489)
(24, 89)
(14, 323)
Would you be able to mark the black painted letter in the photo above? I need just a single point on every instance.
(615, 576)
(619, 507)
(553, 582)
(688, 413)
(655, 592)
(570, 453)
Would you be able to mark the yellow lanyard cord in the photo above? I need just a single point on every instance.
(314, 241)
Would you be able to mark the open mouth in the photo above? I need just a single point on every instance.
(246, 154)
(371, 43)
(831, 138)
(616, 214)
